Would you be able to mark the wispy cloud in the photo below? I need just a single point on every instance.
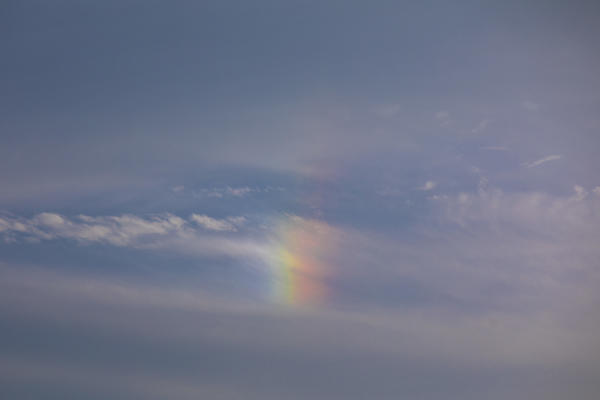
(537, 212)
(543, 160)
(220, 192)
(164, 231)
(429, 185)
(228, 224)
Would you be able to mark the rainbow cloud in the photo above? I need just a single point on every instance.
(299, 264)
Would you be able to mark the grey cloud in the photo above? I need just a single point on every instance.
(513, 289)
(195, 344)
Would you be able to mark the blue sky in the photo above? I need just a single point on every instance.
(299, 199)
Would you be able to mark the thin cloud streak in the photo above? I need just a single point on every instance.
(543, 160)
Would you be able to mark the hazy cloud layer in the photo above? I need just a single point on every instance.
(495, 282)
(299, 200)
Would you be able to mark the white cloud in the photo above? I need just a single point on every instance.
(237, 221)
(580, 193)
(212, 224)
(165, 232)
(123, 230)
(543, 160)
(50, 219)
(226, 191)
(429, 185)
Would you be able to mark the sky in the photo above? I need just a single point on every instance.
(299, 199)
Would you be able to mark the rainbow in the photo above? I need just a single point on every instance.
(299, 266)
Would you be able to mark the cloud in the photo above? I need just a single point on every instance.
(429, 185)
(580, 193)
(50, 220)
(232, 347)
(127, 230)
(229, 224)
(481, 126)
(527, 253)
(56, 292)
(537, 212)
(500, 280)
(122, 230)
(543, 160)
(226, 191)
(159, 233)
